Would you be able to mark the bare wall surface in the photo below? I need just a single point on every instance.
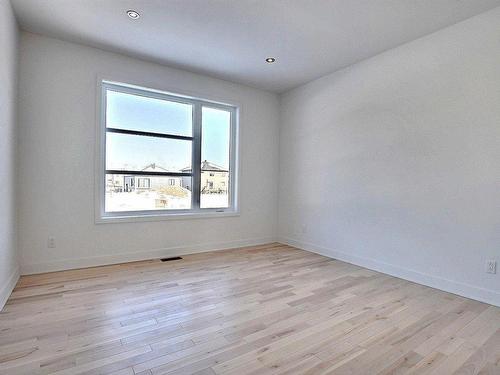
(9, 270)
(56, 166)
(393, 163)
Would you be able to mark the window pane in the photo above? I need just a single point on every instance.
(135, 112)
(145, 193)
(215, 142)
(139, 153)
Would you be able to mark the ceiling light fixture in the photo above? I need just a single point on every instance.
(133, 14)
(270, 60)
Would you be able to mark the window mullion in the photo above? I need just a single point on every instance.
(196, 156)
(148, 134)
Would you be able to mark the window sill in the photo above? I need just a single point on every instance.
(162, 217)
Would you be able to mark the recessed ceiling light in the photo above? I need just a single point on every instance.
(270, 60)
(133, 14)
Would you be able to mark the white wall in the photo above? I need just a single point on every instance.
(57, 137)
(9, 271)
(394, 163)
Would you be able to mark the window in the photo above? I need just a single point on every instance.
(143, 183)
(157, 148)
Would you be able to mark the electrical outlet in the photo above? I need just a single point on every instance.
(491, 266)
(51, 242)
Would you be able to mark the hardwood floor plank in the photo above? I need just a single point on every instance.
(269, 309)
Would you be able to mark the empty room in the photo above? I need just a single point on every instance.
(236, 187)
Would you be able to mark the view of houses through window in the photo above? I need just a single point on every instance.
(152, 143)
(138, 193)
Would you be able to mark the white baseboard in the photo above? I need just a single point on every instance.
(68, 264)
(466, 290)
(8, 287)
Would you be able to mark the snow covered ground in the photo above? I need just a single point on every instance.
(153, 200)
(214, 200)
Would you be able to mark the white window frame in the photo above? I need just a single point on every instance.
(152, 215)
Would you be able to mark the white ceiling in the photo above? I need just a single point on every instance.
(230, 39)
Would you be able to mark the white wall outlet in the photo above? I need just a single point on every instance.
(491, 266)
(51, 242)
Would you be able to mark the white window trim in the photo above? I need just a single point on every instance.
(156, 215)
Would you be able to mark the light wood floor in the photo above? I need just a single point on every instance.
(263, 310)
